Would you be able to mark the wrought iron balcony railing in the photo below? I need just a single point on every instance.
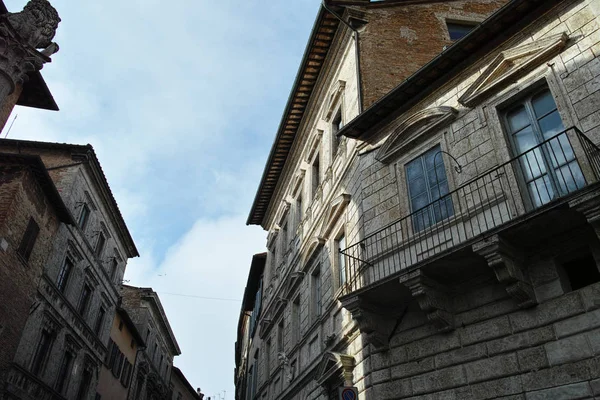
(553, 169)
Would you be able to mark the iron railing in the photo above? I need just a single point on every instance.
(537, 177)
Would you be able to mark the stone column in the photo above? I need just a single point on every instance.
(22, 36)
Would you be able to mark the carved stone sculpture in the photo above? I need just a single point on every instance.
(36, 24)
(21, 35)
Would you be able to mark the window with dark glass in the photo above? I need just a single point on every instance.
(427, 185)
(458, 30)
(84, 385)
(341, 260)
(83, 216)
(84, 300)
(316, 291)
(64, 274)
(316, 174)
(100, 244)
(336, 125)
(268, 358)
(64, 372)
(548, 165)
(296, 319)
(99, 320)
(41, 352)
(114, 266)
(28, 240)
(280, 336)
(299, 210)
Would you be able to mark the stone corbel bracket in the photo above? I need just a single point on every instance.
(377, 323)
(590, 208)
(507, 263)
(432, 298)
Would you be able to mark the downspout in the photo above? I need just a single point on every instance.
(357, 54)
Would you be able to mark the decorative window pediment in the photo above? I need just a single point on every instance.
(315, 244)
(334, 99)
(414, 128)
(333, 214)
(264, 327)
(285, 208)
(272, 237)
(510, 65)
(297, 181)
(335, 367)
(314, 146)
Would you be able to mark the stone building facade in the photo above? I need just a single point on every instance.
(443, 242)
(64, 341)
(182, 389)
(123, 346)
(31, 211)
(247, 325)
(154, 364)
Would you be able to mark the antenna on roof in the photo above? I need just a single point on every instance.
(11, 125)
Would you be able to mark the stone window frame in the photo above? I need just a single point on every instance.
(544, 75)
(336, 105)
(399, 165)
(28, 240)
(340, 231)
(445, 17)
(316, 291)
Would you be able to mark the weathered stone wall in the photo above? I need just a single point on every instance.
(497, 349)
(77, 185)
(21, 197)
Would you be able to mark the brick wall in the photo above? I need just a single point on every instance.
(400, 39)
(20, 198)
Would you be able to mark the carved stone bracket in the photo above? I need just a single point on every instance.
(432, 299)
(376, 322)
(589, 206)
(507, 263)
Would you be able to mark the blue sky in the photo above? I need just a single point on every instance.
(181, 101)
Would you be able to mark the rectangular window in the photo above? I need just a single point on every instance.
(100, 244)
(118, 365)
(99, 321)
(28, 240)
(84, 216)
(457, 30)
(84, 300)
(296, 319)
(64, 372)
(336, 125)
(299, 210)
(316, 292)
(63, 275)
(41, 353)
(341, 260)
(84, 385)
(280, 336)
(250, 389)
(114, 266)
(268, 359)
(551, 170)
(316, 174)
(284, 238)
(427, 185)
(126, 375)
(114, 354)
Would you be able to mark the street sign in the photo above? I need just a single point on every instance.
(348, 393)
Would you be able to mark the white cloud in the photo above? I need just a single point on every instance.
(211, 260)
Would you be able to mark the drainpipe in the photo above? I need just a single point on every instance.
(357, 51)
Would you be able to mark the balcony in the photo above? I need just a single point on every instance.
(543, 178)
(21, 384)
